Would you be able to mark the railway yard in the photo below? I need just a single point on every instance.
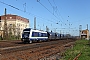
(59, 31)
(51, 50)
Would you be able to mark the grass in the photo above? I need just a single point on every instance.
(81, 46)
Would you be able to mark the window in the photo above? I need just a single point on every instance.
(10, 25)
(17, 24)
(35, 34)
(18, 28)
(27, 29)
(26, 33)
(43, 35)
(10, 17)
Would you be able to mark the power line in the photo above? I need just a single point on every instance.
(51, 6)
(25, 11)
(57, 10)
(50, 3)
(11, 6)
(17, 8)
(59, 15)
(46, 8)
(54, 8)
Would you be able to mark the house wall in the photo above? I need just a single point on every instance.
(15, 22)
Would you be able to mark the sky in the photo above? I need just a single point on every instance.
(62, 16)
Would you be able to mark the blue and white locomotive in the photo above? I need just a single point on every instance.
(29, 35)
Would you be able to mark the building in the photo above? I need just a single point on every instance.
(15, 23)
(85, 34)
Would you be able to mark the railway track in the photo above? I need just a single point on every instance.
(35, 51)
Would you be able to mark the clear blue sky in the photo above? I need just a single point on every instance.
(69, 14)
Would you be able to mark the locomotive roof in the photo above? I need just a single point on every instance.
(27, 29)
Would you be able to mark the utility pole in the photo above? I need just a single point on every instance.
(5, 27)
(60, 31)
(47, 29)
(87, 33)
(35, 23)
(0, 23)
(80, 30)
(87, 26)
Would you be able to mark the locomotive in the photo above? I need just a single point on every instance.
(29, 35)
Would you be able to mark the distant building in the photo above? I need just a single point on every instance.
(15, 23)
(85, 34)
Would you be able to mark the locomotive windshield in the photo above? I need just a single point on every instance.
(26, 31)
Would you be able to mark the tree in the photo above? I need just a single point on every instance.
(12, 31)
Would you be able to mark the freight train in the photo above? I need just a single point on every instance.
(29, 35)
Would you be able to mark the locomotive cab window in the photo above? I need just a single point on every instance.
(35, 34)
(26, 31)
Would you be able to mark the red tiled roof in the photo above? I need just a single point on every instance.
(14, 17)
